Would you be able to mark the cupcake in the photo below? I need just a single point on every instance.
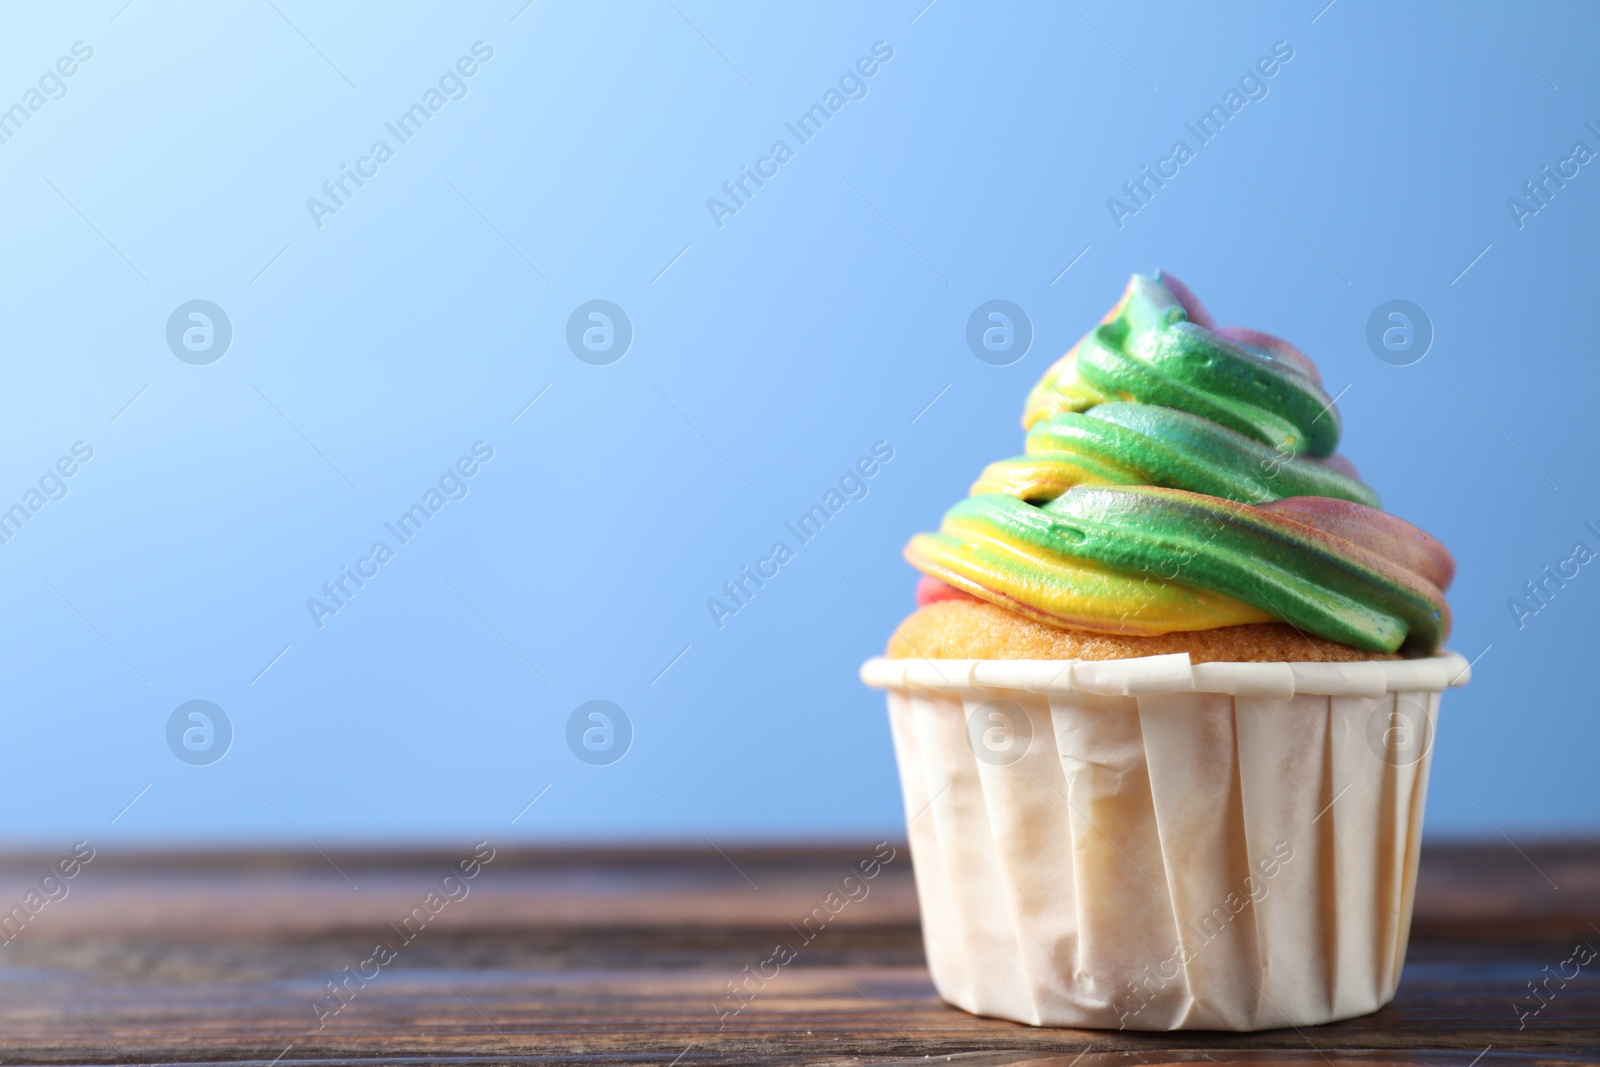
(1164, 714)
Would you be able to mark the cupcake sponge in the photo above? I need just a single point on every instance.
(968, 628)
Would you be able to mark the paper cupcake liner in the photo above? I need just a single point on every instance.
(1152, 844)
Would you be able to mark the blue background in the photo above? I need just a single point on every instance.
(768, 355)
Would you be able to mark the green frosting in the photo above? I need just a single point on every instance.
(1153, 354)
(1167, 454)
(1142, 444)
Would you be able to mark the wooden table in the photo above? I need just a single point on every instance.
(623, 956)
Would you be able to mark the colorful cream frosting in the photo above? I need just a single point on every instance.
(1177, 476)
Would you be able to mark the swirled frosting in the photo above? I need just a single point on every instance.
(1179, 475)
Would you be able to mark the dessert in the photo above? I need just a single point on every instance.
(1164, 714)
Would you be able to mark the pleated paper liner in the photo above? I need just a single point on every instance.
(1152, 844)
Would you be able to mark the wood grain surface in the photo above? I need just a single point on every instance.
(624, 956)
